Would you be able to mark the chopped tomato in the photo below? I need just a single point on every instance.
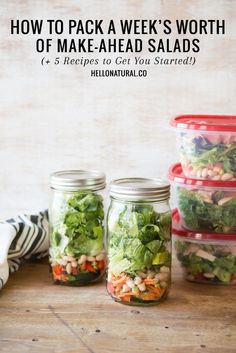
(101, 264)
(57, 269)
(89, 267)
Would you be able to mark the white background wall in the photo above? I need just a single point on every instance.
(54, 118)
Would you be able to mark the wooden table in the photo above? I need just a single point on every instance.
(37, 316)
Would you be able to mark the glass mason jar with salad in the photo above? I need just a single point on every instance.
(139, 241)
(76, 215)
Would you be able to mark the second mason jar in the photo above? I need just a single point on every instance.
(76, 213)
(139, 241)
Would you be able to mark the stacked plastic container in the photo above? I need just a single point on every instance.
(204, 224)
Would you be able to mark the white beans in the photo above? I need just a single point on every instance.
(199, 173)
(100, 257)
(142, 287)
(91, 258)
(217, 169)
(68, 258)
(211, 173)
(74, 263)
(125, 288)
(130, 283)
(82, 259)
(137, 280)
(68, 268)
(226, 176)
(205, 173)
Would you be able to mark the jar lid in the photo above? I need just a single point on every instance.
(205, 122)
(72, 180)
(140, 189)
(176, 174)
(178, 229)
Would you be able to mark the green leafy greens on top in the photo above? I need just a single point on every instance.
(198, 214)
(82, 224)
(137, 237)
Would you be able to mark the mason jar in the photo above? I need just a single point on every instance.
(76, 214)
(139, 241)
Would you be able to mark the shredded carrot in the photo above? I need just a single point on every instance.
(118, 287)
(150, 281)
(156, 290)
(126, 298)
(148, 296)
(57, 269)
(121, 280)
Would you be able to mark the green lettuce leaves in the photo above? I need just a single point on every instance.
(223, 267)
(200, 215)
(137, 236)
(83, 224)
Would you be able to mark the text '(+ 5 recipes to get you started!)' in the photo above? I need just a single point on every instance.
(154, 35)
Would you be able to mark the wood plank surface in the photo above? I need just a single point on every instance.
(38, 316)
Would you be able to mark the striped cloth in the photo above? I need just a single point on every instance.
(21, 238)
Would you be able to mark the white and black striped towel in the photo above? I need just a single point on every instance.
(20, 239)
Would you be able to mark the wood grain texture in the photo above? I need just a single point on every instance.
(38, 316)
(55, 118)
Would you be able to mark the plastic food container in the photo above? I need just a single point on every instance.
(207, 146)
(205, 257)
(139, 241)
(205, 205)
(76, 214)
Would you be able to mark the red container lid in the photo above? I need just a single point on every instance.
(176, 174)
(205, 122)
(178, 229)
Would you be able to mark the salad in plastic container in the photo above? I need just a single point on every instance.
(205, 205)
(207, 146)
(205, 257)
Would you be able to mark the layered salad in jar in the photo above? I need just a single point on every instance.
(139, 252)
(77, 253)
